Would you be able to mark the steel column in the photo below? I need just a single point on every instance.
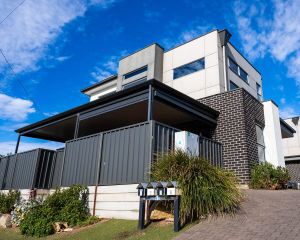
(141, 224)
(18, 143)
(77, 126)
(150, 103)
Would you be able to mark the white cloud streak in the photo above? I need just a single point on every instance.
(15, 109)
(276, 33)
(26, 35)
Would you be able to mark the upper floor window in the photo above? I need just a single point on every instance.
(134, 83)
(135, 72)
(232, 86)
(258, 91)
(238, 70)
(189, 68)
(260, 143)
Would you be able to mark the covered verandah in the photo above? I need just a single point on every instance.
(127, 128)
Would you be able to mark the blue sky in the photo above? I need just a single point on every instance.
(57, 47)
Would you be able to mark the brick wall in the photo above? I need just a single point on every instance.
(294, 169)
(239, 114)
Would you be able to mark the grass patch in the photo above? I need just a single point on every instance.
(111, 229)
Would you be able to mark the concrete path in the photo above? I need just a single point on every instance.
(265, 214)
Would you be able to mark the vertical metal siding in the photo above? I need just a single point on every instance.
(211, 150)
(10, 171)
(125, 155)
(25, 167)
(58, 163)
(3, 169)
(81, 158)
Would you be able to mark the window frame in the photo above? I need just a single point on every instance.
(232, 83)
(239, 70)
(135, 72)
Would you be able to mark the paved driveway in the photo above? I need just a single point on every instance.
(264, 215)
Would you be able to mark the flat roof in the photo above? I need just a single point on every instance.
(106, 80)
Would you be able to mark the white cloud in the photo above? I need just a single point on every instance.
(288, 112)
(50, 114)
(192, 32)
(282, 100)
(12, 127)
(63, 58)
(26, 35)
(9, 146)
(275, 32)
(106, 68)
(15, 109)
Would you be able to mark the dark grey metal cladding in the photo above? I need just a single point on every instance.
(211, 150)
(24, 172)
(80, 161)
(10, 172)
(164, 138)
(126, 155)
(44, 171)
(3, 168)
(58, 163)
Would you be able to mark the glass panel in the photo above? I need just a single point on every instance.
(233, 86)
(261, 153)
(134, 83)
(233, 66)
(135, 72)
(243, 75)
(260, 135)
(188, 68)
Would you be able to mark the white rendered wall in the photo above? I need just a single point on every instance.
(253, 76)
(291, 146)
(272, 135)
(202, 83)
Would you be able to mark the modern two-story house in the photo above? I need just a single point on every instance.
(204, 86)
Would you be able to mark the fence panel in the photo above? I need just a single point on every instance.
(81, 161)
(125, 155)
(58, 163)
(25, 168)
(211, 150)
(3, 168)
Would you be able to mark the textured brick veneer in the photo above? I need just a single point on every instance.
(239, 114)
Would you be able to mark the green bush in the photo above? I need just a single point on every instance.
(69, 205)
(205, 189)
(7, 201)
(267, 176)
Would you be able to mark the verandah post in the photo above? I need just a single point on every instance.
(150, 103)
(18, 143)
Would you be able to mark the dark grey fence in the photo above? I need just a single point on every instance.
(211, 150)
(119, 156)
(31, 169)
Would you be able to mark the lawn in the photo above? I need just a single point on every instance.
(111, 229)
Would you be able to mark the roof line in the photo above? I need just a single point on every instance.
(106, 80)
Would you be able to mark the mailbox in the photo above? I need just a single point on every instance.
(142, 189)
(151, 189)
(162, 188)
(172, 188)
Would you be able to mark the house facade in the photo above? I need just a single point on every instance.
(204, 86)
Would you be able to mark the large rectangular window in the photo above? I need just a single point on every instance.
(189, 68)
(238, 70)
(135, 72)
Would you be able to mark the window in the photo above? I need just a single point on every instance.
(260, 143)
(233, 86)
(258, 91)
(243, 75)
(135, 72)
(238, 70)
(188, 68)
(134, 83)
(233, 66)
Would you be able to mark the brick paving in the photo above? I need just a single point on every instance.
(271, 215)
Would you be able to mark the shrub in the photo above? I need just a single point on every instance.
(205, 189)
(267, 176)
(22, 207)
(69, 205)
(7, 201)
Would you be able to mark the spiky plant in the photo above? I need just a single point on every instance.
(205, 189)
